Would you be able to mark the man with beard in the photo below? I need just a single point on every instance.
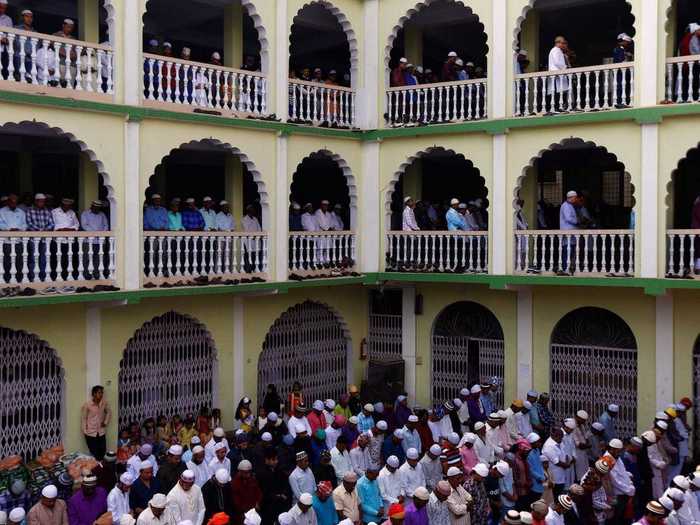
(276, 497)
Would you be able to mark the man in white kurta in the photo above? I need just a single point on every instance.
(199, 466)
(389, 481)
(581, 442)
(558, 85)
(408, 222)
(157, 513)
(558, 461)
(118, 498)
(185, 500)
(325, 222)
(133, 465)
(411, 473)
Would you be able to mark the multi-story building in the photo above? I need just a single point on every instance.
(606, 312)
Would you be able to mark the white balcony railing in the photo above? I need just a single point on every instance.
(38, 62)
(44, 259)
(586, 89)
(590, 252)
(315, 103)
(437, 251)
(437, 103)
(314, 252)
(180, 256)
(204, 86)
(683, 79)
(683, 251)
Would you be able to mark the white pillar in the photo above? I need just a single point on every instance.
(368, 94)
(133, 224)
(281, 233)
(500, 206)
(369, 209)
(664, 350)
(239, 350)
(93, 348)
(648, 217)
(524, 341)
(499, 60)
(132, 61)
(282, 63)
(408, 341)
(647, 65)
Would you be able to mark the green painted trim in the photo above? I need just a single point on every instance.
(647, 115)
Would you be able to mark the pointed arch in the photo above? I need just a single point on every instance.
(168, 367)
(309, 343)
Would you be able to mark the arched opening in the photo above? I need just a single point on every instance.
(467, 348)
(214, 59)
(308, 343)
(683, 217)
(32, 391)
(169, 367)
(384, 335)
(574, 212)
(564, 37)
(682, 50)
(323, 200)
(679, 16)
(72, 49)
(211, 231)
(437, 42)
(323, 67)
(443, 194)
(593, 363)
(57, 212)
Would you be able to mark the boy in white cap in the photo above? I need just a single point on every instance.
(49, 510)
(118, 498)
(218, 436)
(185, 499)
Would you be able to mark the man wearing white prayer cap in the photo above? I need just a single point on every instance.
(17, 516)
(568, 220)
(218, 436)
(459, 501)
(199, 466)
(118, 497)
(158, 512)
(389, 481)
(5, 21)
(430, 464)
(408, 218)
(66, 29)
(302, 513)
(50, 510)
(411, 473)
(252, 518)
(170, 471)
(607, 419)
(186, 501)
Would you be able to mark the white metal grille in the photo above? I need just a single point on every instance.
(590, 378)
(384, 339)
(459, 361)
(306, 344)
(168, 368)
(31, 395)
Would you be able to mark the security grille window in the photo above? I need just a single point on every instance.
(384, 336)
(307, 344)
(593, 359)
(168, 368)
(31, 395)
(467, 348)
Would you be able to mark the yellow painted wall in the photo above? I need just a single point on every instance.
(438, 297)
(635, 308)
(685, 332)
(63, 329)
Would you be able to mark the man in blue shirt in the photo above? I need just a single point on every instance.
(454, 219)
(622, 53)
(607, 419)
(155, 216)
(568, 220)
(369, 496)
(192, 220)
(323, 504)
(12, 218)
(534, 462)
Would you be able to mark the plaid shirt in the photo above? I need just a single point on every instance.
(39, 220)
(9, 502)
(192, 220)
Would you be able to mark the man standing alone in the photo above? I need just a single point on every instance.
(95, 415)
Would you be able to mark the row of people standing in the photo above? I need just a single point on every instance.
(191, 218)
(460, 216)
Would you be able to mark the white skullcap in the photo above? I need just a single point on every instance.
(582, 414)
(195, 440)
(167, 44)
(453, 471)
(421, 493)
(635, 440)
(661, 415)
(146, 449)
(209, 199)
(693, 27)
(398, 433)
(285, 519)
(406, 199)
(197, 449)
(502, 414)
(613, 408)
(570, 194)
(145, 465)
(299, 428)
(219, 446)
(17, 515)
(453, 438)
(675, 494)
(413, 418)
(523, 52)
(662, 425)
(39, 196)
(306, 498)
(459, 62)
(503, 468)
(245, 466)
(695, 480)
(324, 201)
(464, 392)
(435, 450)
(175, 450)
(403, 60)
(272, 416)
(158, 501)
(189, 200)
(318, 405)
(625, 37)
(153, 42)
(533, 437)
(570, 423)
(381, 425)
(682, 482)
(27, 12)
(666, 503)
(126, 478)
(527, 405)
(393, 461)
(379, 407)
(353, 420)
(222, 476)
(525, 518)
(219, 432)
(68, 21)
(478, 426)
(452, 54)
(127, 519)
(649, 436)
(454, 201)
(252, 518)
(469, 437)
(476, 388)
(329, 403)
(187, 475)
(412, 453)
(49, 491)
(598, 426)
(472, 65)
(481, 469)
(457, 402)
(615, 443)
(267, 437)
(532, 393)
(369, 407)
(680, 407)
